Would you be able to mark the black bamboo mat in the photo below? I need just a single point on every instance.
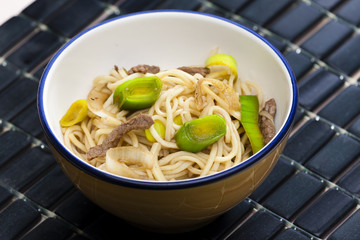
(314, 190)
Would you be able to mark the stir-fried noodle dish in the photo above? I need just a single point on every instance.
(164, 125)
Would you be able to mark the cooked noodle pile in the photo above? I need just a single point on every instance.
(183, 96)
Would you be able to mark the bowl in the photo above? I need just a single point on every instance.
(168, 39)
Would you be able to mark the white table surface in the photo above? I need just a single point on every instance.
(10, 8)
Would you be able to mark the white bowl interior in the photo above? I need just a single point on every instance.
(165, 39)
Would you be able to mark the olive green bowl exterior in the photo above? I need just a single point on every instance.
(174, 210)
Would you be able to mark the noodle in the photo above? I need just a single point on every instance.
(177, 98)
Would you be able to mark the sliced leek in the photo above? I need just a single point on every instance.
(138, 93)
(197, 134)
(249, 120)
(75, 114)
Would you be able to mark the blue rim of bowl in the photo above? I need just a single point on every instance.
(158, 185)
